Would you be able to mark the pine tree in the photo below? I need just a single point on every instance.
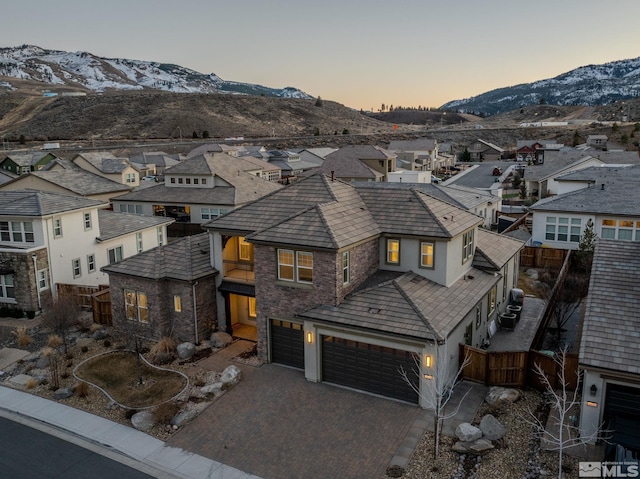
(205, 134)
(318, 102)
(194, 134)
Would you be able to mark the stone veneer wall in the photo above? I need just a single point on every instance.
(163, 319)
(282, 299)
(24, 279)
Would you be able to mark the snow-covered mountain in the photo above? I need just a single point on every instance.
(588, 85)
(82, 69)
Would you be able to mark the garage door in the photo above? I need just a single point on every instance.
(287, 343)
(368, 367)
(622, 417)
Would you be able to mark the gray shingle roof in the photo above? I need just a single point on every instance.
(556, 161)
(114, 224)
(611, 330)
(42, 203)
(602, 174)
(494, 250)
(78, 181)
(106, 162)
(346, 162)
(409, 305)
(158, 158)
(28, 159)
(419, 144)
(186, 259)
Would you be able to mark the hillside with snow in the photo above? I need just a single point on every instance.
(588, 85)
(84, 71)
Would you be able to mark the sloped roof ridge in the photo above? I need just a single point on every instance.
(428, 208)
(414, 306)
(284, 220)
(323, 218)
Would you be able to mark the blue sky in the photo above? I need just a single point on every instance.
(358, 52)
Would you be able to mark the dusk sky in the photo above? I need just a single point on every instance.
(361, 53)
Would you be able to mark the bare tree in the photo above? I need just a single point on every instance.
(60, 315)
(132, 333)
(440, 377)
(564, 404)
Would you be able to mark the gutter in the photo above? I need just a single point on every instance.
(195, 312)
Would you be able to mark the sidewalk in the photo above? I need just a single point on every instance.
(120, 443)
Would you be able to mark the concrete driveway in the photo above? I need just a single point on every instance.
(277, 425)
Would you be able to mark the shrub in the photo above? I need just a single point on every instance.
(165, 345)
(107, 343)
(31, 314)
(54, 341)
(165, 412)
(84, 349)
(16, 313)
(80, 389)
(129, 413)
(94, 327)
(22, 334)
(31, 383)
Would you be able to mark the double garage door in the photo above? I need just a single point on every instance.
(355, 364)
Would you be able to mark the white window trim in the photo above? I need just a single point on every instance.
(4, 297)
(58, 227)
(86, 218)
(432, 255)
(76, 266)
(346, 267)
(114, 249)
(43, 275)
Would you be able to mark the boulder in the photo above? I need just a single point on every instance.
(183, 417)
(143, 421)
(231, 375)
(99, 335)
(460, 447)
(62, 393)
(220, 339)
(186, 350)
(211, 388)
(43, 362)
(481, 445)
(491, 428)
(466, 432)
(532, 273)
(497, 394)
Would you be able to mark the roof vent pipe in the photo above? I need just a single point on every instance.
(602, 186)
(333, 175)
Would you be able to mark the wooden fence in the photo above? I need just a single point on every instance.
(80, 294)
(101, 306)
(533, 257)
(515, 368)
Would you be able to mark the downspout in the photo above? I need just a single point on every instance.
(34, 257)
(195, 311)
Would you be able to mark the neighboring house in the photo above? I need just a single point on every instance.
(152, 163)
(358, 163)
(482, 150)
(609, 347)
(598, 142)
(24, 163)
(290, 163)
(533, 151)
(608, 198)
(71, 181)
(167, 290)
(107, 165)
(263, 169)
(214, 148)
(198, 189)
(315, 155)
(49, 238)
(352, 283)
(423, 153)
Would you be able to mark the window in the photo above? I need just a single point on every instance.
(130, 178)
(467, 246)
(57, 227)
(133, 209)
(75, 266)
(626, 230)
(160, 236)
(478, 315)
(172, 181)
(187, 181)
(393, 251)
(244, 250)
(209, 213)
(305, 267)
(6, 287)
(139, 242)
(180, 181)
(426, 255)
(177, 304)
(491, 300)
(136, 305)
(196, 181)
(504, 282)
(43, 279)
(115, 254)
(91, 263)
(563, 229)
(16, 231)
(204, 181)
(346, 267)
(87, 221)
(295, 267)
(252, 308)
(285, 264)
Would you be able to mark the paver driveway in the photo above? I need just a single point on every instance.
(277, 425)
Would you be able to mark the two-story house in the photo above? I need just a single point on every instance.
(48, 239)
(152, 163)
(358, 163)
(109, 166)
(482, 150)
(198, 189)
(24, 163)
(354, 283)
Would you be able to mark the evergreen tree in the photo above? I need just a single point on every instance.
(615, 127)
(22, 140)
(194, 134)
(523, 190)
(318, 102)
(316, 132)
(465, 155)
(586, 246)
(345, 132)
(205, 134)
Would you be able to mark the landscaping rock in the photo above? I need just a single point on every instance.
(43, 362)
(497, 394)
(99, 335)
(20, 379)
(481, 445)
(491, 428)
(211, 388)
(62, 393)
(183, 417)
(466, 432)
(143, 421)
(186, 350)
(220, 339)
(231, 375)
(460, 447)
(532, 273)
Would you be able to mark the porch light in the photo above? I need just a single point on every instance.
(428, 376)
(592, 404)
(593, 389)
(309, 337)
(428, 361)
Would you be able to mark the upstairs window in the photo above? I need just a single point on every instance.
(87, 221)
(139, 242)
(491, 300)
(16, 231)
(295, 266)
(426, 254)
(160, 235)
(467, 245)
(393, 251)
(57, 227)
(130, 178)
(115, 254)
(244, 250)
(346, 267)
(136, 306)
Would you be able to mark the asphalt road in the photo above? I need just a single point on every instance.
(31, 454)
(482, 176)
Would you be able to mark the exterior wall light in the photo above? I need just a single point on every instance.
(309, 337)
(428, 376)
(593, 389)
(592, 404)
(428, 361)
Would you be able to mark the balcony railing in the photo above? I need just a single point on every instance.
(239, 271)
